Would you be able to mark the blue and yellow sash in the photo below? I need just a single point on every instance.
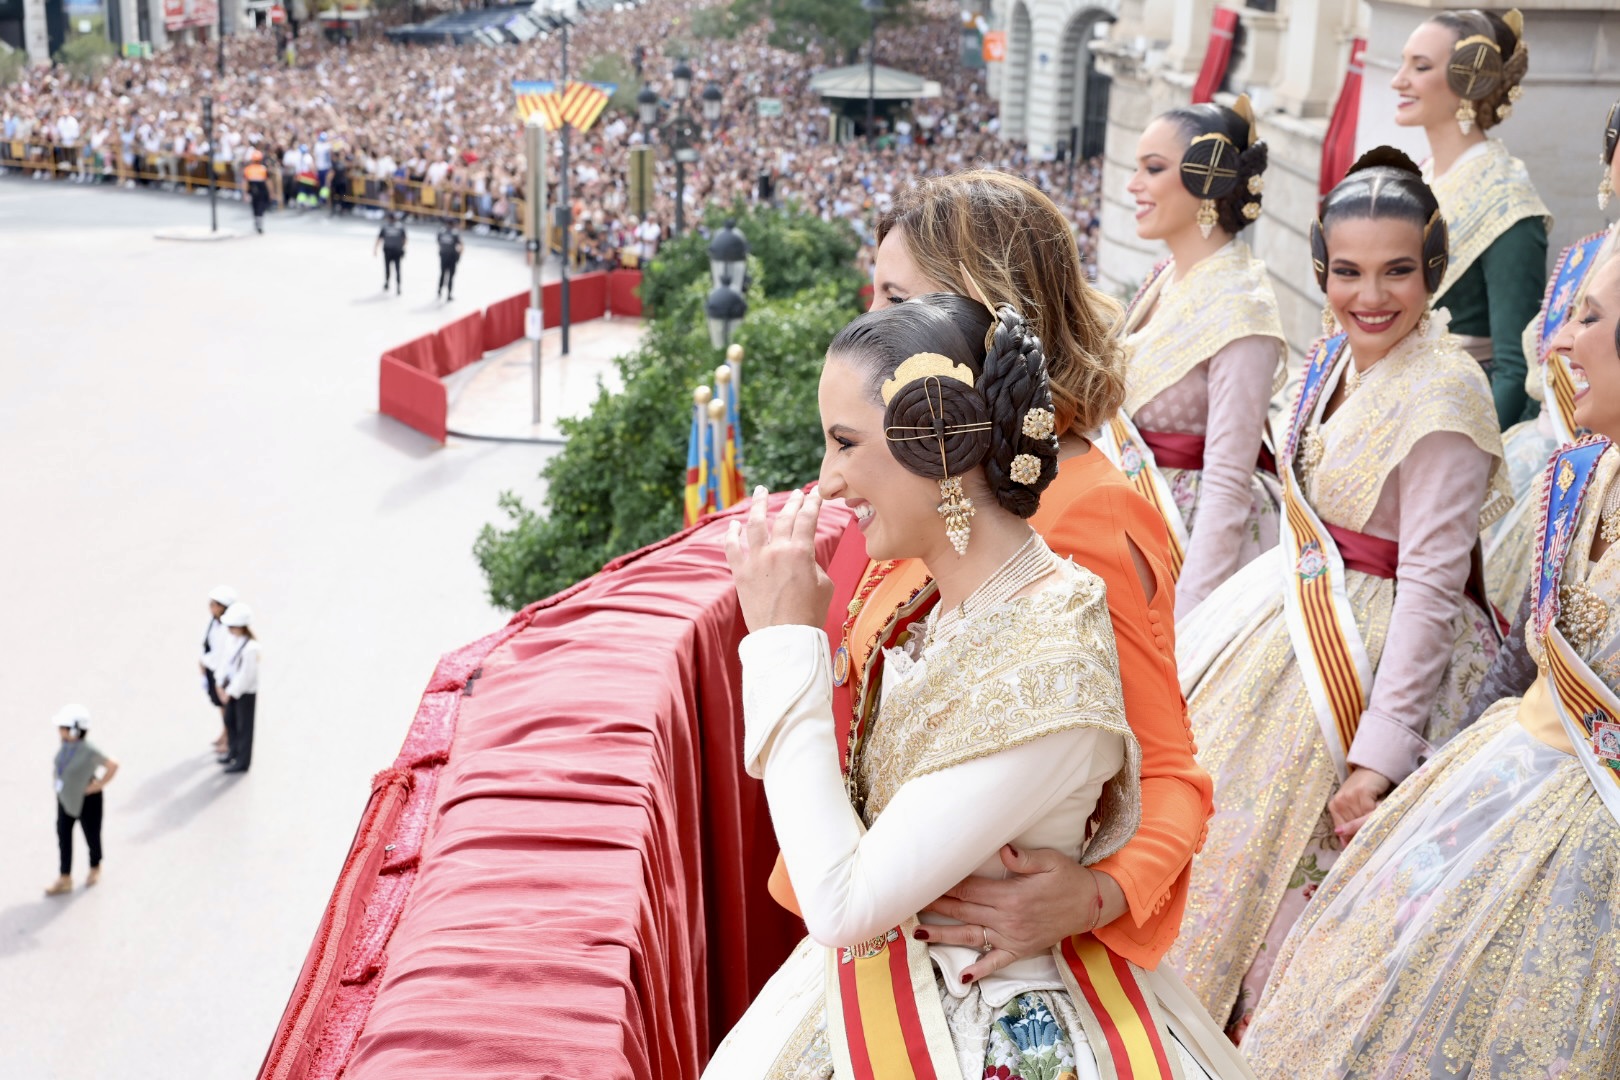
(1563, 289)
(1587, 707)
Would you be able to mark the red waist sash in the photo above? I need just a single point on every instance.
(1175, 450)
(1362, 551)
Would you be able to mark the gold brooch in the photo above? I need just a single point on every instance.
(1026, 469)
(1039, 424)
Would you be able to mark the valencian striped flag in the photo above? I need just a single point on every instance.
(530, 96)
(700, 497)
(582, 103)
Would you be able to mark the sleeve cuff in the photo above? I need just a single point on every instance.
(1388, 747)
(780, 666)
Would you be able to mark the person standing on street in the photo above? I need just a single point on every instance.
(391, 239)
(216, 642)
(239, 687)
(450, 248)
(78, 795)
(258, 185)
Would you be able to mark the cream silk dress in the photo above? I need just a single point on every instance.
(1010, 730)
(1412, 455)
(1469, 929)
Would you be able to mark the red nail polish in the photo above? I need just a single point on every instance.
(920, 934)
(1013, 850)
(966, 979)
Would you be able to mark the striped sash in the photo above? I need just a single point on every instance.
(1563, 289)
(1122, 443)
(885, 1019)
(1587, 708)
(1332, 658)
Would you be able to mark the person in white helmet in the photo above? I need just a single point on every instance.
(78, 794)
(239, 687)
(216, 640)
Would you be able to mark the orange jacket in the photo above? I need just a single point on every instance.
(1092, 513)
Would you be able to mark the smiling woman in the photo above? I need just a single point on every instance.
(1322, 675)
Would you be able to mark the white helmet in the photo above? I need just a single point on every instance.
(223, 595)
(237, 615)
(72, 716)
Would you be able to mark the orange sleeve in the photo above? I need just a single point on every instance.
(1153, 869)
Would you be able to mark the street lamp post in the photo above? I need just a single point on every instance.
(565, 205)
(726, 306)
(873, 6)
(682, 132)
(219, 11)
(213, 156)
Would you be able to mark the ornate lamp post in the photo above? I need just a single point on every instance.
(682, 133)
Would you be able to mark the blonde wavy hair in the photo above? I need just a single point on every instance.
(1019, 249)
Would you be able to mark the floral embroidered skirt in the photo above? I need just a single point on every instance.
(1469, 930)
(1259, 527)
(1270, 843)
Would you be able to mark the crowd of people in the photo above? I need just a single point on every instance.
(371, 125)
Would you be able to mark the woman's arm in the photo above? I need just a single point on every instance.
(1442, 485)
(852, 883)
(109, 770)
(1515, 277)
(1240, 381)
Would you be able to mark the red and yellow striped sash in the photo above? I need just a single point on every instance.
(1117, 1001)
(1313, 582)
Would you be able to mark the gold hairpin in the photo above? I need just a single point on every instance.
(922, 366)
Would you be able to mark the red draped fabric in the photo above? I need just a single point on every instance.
(1339, 144)
(1222, 32)
(574, 885)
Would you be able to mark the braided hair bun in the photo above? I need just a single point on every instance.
(1488, 61)
(1225, 160)
(960, 389)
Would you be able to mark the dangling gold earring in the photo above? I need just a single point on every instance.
(956, 508)
(1605, 190)
(1207, 217)
(1329, 323)
(1465, 116)
(1423, 325)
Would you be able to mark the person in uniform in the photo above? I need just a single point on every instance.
(215, 639)
(391, 241)
(258, 185)
(450, 248)
(82, 771)
(239, 687)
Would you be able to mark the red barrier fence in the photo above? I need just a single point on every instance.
(453, 347)
(575, 883)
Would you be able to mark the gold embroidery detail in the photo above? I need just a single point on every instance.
(1566, 477)
(1481, 199)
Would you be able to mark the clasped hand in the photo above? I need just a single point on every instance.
(773, 563)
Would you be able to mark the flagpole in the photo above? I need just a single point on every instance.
(700, 398)
(565, 212)
(717, 427)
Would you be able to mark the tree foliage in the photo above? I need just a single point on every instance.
(840, 27)
(617, 485)
(84, 56)
(615, 69)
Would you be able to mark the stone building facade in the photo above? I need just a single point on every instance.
(1291, 58)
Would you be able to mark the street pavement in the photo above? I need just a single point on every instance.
(173, 416)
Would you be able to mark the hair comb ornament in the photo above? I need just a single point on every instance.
(1473, 73)
(1245, 108)
(937, 425)
(1209, 171)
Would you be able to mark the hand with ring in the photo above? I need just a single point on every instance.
(986, 947)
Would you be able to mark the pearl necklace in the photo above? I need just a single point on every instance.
(1028, 565)
(1609, 515)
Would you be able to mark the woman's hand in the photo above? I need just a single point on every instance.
(773, 564)
(1356, 799)
(1048, 897)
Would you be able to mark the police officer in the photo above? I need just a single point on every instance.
(391, 239)
(450, 249)
(258, 183)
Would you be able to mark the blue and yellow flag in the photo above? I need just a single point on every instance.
(530, 97)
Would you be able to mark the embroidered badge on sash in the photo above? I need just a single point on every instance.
(1130, 460)
(1312, 563)
(1566, 477)
(866, 950)
(1605, 739)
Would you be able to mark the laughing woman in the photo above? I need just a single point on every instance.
(1204, 346)
(1320, 674)
(1469, 929)
(1459, 76)
(938, 420)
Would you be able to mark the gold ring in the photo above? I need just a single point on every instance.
(986, 931)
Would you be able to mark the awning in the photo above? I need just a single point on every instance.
(1222, 31)
(1339, 144)
(886, 83)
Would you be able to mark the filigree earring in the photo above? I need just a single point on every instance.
(1329, 323)
(1207, 217)
(1605, 191)
(1465, 116)
(956, 508)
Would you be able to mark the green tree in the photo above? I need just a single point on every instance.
(85, 55)
(615, 69)
(618, 483)
(840, 27)
(12, 63)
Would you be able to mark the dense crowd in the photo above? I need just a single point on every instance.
(368, 123)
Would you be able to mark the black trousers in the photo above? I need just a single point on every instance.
(89, 820)
(447, 275)
(213, 690)
(391, 270)
(239, 728)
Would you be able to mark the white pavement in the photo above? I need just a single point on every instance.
(173, 416)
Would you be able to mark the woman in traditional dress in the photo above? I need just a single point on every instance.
(1510, 544)
(1321, 675)
(990, 234)
(1469, 929)
(1459, 76)
(1205, 347)
(1001, 722)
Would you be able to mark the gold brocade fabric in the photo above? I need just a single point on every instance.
(1035, 666)
(1469, 929)
(1175, 327)
(1425, 384)
(1481, 199)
